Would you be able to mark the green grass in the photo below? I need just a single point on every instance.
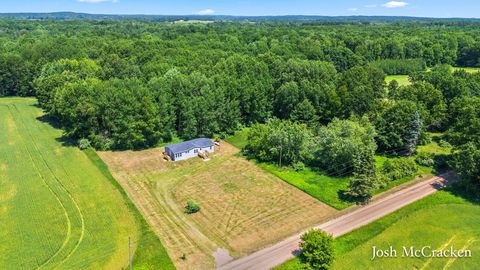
(401, 79)
(433, 221)
(322, 187)
(173, 141)
(57, 209)
(239, 139)
(150, 253)
(326, 188)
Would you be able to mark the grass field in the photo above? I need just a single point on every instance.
(57, 209)
(401, 79)
(243, 208)
(442, 220)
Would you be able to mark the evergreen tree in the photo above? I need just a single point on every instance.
(413, 135)
(364, 181)
(392, 88)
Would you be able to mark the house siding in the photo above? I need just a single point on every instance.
(189, 154)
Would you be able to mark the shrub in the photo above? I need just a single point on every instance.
(444, 144)
(399, 168)
(425, 159)
(298, 166)
(317, 249)
(192, 207)
(84, 144)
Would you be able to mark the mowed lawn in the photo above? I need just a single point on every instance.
(243, 208)
(441, 220)
(57, 209)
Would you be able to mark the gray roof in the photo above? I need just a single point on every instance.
(189, 145)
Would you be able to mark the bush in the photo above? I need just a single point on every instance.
(399, 168)
(298, 166)
(444, 144)
(84, 144)
(425, 159)
(192, 207)
(317, 249)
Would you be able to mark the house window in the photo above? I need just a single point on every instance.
(195, 151)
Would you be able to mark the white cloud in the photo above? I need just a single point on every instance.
(97, 1)
(207, 11)
(395, 4)
(371, 6)
(353, 9)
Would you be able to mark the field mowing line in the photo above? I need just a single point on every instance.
(37, 169)
(195, 237)
(62, 187)
(441, 248)
(452, 260)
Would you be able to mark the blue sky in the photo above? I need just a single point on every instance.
(426, 8)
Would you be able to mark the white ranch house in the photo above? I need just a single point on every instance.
(189, 149)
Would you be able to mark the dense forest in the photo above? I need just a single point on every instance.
(131, 84)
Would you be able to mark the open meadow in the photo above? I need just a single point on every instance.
(243, 208)
(57, 209)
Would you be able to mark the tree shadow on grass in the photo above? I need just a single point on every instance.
(345, 197)
(465, 191)
(64, 140)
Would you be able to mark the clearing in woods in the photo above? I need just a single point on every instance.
(57, 209)
(243, 208)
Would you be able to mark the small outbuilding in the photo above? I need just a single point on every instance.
(189, 149)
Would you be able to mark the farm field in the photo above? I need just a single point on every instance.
(243, 208)
(57, 209)
(442, 220)
(328, 189)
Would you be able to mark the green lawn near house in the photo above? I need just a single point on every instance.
(239, 139)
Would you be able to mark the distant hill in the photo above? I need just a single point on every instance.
(350, 19)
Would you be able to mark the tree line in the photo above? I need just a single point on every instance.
(131, 84)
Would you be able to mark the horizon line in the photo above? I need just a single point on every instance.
(230, 15)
